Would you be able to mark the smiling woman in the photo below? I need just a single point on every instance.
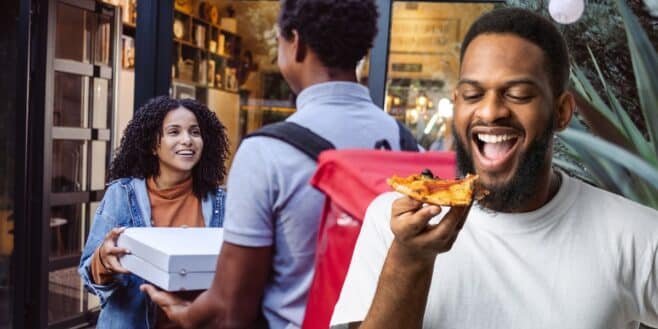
(166, 173)
(180, 147)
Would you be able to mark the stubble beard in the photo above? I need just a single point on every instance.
(516, 193)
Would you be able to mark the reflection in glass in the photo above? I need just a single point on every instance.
(98, 165)
(74, 26)
(68, 166)
(64, 294)
(100, 104)
(68, 105)
(103, 41)
(423, 66)
(276, 103)
(66, 230)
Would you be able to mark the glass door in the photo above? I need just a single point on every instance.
(423, 64)
(83, 77)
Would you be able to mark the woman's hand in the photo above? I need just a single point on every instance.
(109, 253)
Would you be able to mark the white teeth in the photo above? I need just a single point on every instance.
(185, 152)
(494, 138)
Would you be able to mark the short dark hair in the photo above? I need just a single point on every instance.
(340, 32)
(135, 158)
(531, 27)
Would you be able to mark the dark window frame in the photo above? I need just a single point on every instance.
(34, 137)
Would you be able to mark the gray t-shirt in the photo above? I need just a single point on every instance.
(270, 202)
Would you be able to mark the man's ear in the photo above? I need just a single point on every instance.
(566, 105)
(298, 47)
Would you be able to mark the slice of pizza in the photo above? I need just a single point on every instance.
(429, 189)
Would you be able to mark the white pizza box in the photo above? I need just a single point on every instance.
(173, 259)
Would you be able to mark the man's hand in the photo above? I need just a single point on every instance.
(232, 301)
(109, 253)
(175, 308)
(415, 238)
(404, 283)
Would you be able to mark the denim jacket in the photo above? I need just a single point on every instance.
(126, 203)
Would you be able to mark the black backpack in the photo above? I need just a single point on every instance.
(312, 144)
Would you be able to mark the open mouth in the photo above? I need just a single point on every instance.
(186, 153)
(495, 146)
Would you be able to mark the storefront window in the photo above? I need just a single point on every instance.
(83, 109)
(423, 66)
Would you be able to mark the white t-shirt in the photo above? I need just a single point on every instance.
(588, 259)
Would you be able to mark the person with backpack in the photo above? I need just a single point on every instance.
(272, 214)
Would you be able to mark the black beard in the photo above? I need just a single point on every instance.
(523, 186)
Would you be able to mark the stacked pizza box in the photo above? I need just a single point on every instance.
(173, 259)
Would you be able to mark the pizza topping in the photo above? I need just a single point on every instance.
(436, 191)
(427, 173)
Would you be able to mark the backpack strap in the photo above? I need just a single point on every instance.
(296, 136)
(407, 140)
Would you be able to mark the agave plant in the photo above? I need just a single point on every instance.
(609, 150)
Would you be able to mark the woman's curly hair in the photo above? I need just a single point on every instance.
(135, 156)
(340, 32)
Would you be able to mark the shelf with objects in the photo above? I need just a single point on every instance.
(204, 55)
(127, 69)
(129, 29)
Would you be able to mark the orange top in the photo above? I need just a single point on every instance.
(176, 206)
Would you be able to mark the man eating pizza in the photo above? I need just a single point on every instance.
(541, 249)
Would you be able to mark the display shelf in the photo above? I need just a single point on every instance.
(189, 44)
(189, 82)
(129, 29)
(204, 55)
(203, 21)
(221, 56)
(202, 85)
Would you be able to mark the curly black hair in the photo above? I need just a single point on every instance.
(134, 156)
(340, 32)
(531, 27)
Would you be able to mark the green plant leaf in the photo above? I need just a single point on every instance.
(596, 167)
(613, 153)
(600, 124)
(642, 146)
(589, 92)
(645, 66)
(574, 169)
(632, 138)
(647, 194)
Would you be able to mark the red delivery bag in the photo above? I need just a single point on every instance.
(351, 179)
